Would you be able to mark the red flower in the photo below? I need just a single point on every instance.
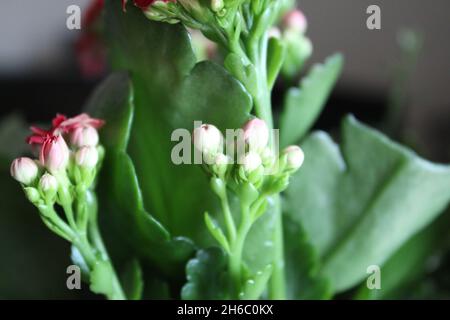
(61, 124)
(81, 121)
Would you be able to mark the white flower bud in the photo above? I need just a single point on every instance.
(87, 157)
(208, 139)
(24, 170)
(256, 134)
(251, 161)
(294, 157)
(84, 136)
(48, 183)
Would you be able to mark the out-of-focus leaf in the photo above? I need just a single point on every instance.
(102, 282)
(360, 206)
(206, 276)
(304, 104)
(411, 262)
(132, 280)
(302, 265)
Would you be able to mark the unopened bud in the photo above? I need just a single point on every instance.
(217, 5)
(86, 157)
(54, 154)
(296, 21)
(48, 184)
(294, 157)
(251, 161)
(84, 136)
(256, 134)
(208, 139)
(24, 170)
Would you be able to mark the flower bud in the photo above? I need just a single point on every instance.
(256, 134)
(54, 154)
(294, 157)
(221, 163)
(84, 136)
(87, 157)
(217, 5)
(208, 139)
(48, 184)
(24, 170)
(296, 21)
(251, 161)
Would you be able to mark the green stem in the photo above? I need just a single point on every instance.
(229, 221)
(237, 247)
(94, 233)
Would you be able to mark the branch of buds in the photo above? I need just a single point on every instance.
(65, 175)
(252, 177)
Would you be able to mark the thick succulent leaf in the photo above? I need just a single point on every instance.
(101, 281)
(171, 93)
(121, 204)
(206, 275)
(113, 102)
(360, 206)
(411, 262)
(132, 280)
(302, 265)
(304, 104)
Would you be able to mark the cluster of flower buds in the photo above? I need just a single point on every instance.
(69, 153)
(248, 157)
(299, 47)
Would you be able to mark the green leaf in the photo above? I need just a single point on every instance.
(206, 276)
(303, 105)
(410, 263)
(120, 193)
(132, 280)
(102, 282)
(113, 100)
(171, 92)
(255, 286)
(302, 265)
(358, 208)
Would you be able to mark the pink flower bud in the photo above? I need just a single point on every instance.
(295, 20)
(54, 154)
(84, 136)
(295, 157)
(251, 161)
(87, 157)
(256, 134)
(24, 170)
(207, 139)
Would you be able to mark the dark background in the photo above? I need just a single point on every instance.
(39, 76)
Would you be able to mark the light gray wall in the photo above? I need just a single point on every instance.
(341, 25)
(34, 39)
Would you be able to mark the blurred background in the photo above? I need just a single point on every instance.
(396, 79)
